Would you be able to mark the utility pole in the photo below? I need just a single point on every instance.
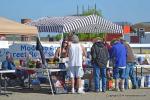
(77, 10)
(95, 9)
(88, 8)
(82, 9)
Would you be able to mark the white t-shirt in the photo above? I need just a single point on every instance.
(75, 55)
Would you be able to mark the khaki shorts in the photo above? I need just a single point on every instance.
(76, 71)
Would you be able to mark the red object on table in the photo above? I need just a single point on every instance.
(29, 71)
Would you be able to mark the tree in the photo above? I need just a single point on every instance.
(58, 37)
(89, 36)
(92, 11)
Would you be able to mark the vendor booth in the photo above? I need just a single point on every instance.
(9, 27)
(81, 24)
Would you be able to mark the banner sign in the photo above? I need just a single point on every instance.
(20, 51)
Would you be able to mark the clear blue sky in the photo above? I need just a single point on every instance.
(115, 10)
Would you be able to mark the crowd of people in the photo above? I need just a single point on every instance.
(119, 54)
(72, 55)
(121, 57)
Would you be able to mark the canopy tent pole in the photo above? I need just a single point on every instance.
(44, 63)
(38, 35)
(61, 40)
(122, 35)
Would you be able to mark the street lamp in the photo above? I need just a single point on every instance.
(140, 34)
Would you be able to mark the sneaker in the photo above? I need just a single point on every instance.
(97, 90)
(122, 89)
(72, 91)
(81, 91)
(104, 91)
(116, 89)
(134, 87)
(126, 88)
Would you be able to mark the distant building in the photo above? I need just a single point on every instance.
(142, 25)
(126, 30)
(23, 37)
(131, 33)
(139, 33)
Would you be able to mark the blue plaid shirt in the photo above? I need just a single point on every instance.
(7, 65)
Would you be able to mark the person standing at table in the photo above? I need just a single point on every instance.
(100, 57)
(130, 66)
(76, 52)
(118, 54)
(62, 54)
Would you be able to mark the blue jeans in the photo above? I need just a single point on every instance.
(62, 74)
(21, 73)
(129, 72)
(97, 73)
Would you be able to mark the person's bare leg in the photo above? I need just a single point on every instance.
(117, 84)
(79, 84)
(72, 85)
(122, 85)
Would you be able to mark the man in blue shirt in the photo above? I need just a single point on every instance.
(118, 54)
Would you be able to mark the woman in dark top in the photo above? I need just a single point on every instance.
(63, 50)
(61, 55)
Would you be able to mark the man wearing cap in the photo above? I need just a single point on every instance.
(100, 56)
(118, 54)
(76, 52)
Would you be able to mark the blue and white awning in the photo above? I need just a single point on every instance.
(82, 24)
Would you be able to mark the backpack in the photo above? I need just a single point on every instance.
(99, 54)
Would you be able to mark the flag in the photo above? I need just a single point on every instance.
(39, 47)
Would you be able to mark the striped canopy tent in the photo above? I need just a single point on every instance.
(82, 24)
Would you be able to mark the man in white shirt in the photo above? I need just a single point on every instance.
(76, 52)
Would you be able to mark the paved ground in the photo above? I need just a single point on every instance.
(139, 94)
